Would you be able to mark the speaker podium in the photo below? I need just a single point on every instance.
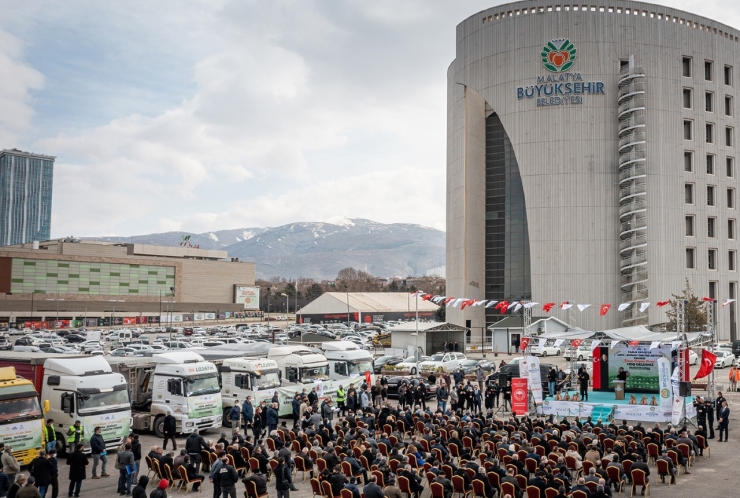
(618, 389)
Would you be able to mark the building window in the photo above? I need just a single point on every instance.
(686, 67)
(690, 259)
(728, 136)
(708, 70)
(710, 164)
(709, 102)
(730, 164)
(712, 259)
(728, 105)
(688, 129)
(710, 133)
(711, 227)
(710, 195)
(689, 226)
(689, 193)
(688, 161)
(731, 260)
(731, 198)
(728, 75)
(687, 98)
(713, 289)
(731, 229)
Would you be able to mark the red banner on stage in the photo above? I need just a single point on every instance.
(519, 396)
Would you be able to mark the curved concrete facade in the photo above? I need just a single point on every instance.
(584, 110)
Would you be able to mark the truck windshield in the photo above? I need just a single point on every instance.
(268, 380)
(360, 366)
(202, 385)
(24, 408)
(98, 400)
(310, 374)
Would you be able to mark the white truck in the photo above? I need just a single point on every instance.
(179, 384)
(347, 361)
(77, 388)
(301, 368)
(242, 377)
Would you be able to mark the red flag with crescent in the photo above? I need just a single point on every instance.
(547, 307)
(576, 342)
(660, 304)
(523, 343)
(633, 344)
(604, 309)
(707, 364)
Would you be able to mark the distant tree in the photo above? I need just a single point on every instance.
(393, 287)
(441, 314)
(695, 315)
(353, 280)
(314, 291)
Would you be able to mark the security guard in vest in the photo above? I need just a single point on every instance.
(50, 435)
(340, 400)
(75, 434)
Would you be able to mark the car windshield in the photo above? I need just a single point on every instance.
(202, 385)
(469, 363)
(22, 408)
(310, 374)
(98, 400)
(437, 357)
(360, 366)
(267, 380)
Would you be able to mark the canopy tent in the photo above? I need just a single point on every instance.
(627, 334)
(574, 333)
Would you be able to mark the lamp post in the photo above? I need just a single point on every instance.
(268, 307)
(57, 300)
(112, 316)
(287, 307)
(346, 292)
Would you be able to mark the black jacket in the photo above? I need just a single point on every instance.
(283, 478)
(97, 444)
(41, 470)
(139, 490)
(170, 426)
(77, 461)
(136, 449)
(226, 476)
(194, 443)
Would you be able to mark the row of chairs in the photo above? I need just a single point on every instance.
(165, 472)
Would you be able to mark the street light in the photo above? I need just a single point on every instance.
(112, 315)
(287, 307)
(346, 291)
(268, 307)
(57, 300)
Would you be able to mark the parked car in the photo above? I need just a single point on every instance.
(546, 351)
(511, 370)
(447, 361)
(470, 365)
(724, 359)
(580, 354)
(125, 352)
(5, 344)
(410, 363)
(394, 382)
(26, 349)
(693, 357)
(89, 346)
(76, 338)
(382, 361)
(28, 341)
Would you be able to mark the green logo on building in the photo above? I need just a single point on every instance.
(558, 55)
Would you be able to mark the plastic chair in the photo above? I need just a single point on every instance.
(185, 480)
(639, 479)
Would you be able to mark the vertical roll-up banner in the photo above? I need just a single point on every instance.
(664, 379)
(535, 378)
(519, 396)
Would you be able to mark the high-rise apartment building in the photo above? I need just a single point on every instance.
(592, 159)
(25, 196)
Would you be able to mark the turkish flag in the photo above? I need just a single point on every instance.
(449, 299)
(708, 299)
(576, 342)
(523, 343)
(502, 306)
(547, 307)
(707, 364)
(633, 344)
(427, 297)
(660, 304)
(604, 309)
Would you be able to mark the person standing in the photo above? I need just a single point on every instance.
(235, 415)
(724, 420)
(296, 406)
(340, 400)
(139, 490)
(247, 413)
(283, 480)
(40, 469)
(718, 403)
(136, 450)
(480, 376)
(257, 424)
(169, 428)
(733, 377)
(50, 435)
(272, 418)
(77, 473)
(75, 434)
(442, 397)
(226, 478)
(5, 484)
(125, 464)
(552, 378)
(54, 483)
(10, 465)
(583, 378)
(98, 452)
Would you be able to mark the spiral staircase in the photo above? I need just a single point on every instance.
(632, 191)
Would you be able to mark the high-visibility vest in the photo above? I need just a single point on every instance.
(50, 433)
(340, 395)
(73, 435)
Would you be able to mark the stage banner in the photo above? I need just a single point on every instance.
(677, 412)
(664, 379)
(519, 396)
(642, 364)
(529, 367)
(566, 408)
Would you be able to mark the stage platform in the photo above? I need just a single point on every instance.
(603, 402)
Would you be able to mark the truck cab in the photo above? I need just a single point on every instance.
(242, 377)
(301, 369)
(347, 360)
(21, 418)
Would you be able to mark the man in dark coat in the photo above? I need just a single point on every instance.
(40, 469)
(77, 461)
(226, 478)
(169, 428)
(139, 490)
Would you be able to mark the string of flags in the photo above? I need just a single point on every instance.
(513, 306)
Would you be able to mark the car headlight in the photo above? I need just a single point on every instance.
(189, 424)
(218, 418)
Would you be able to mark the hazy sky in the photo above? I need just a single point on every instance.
(214, 114)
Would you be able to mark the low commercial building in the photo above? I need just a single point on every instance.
(427, 338)
(366, 307)
(67, 282)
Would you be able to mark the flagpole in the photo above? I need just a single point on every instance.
(416, 353)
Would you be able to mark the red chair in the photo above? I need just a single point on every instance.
(320, 464)
(570, 464)
(438, 491)
(521, 479)
(379, 478)
(627, 466)
(587, 465)
(315, 487)
(471, 473)
(702, 444)
(578, 494)
(508, 489)
(468, 443)
(686, 452)
(479, 488)
(591, 486)
(345, 493)
(639, 479)
(454, 451)
(670, 443)
(270, 444)
(539, 450)
(404, 485)
(522, 455)
(615, 477)
(495, 481)
(448, 471)
(347, 471)
(458, 485)
(551, 492)
(251, 490)
(653, 451)
(300, 464)
(533, 492)
(326, 488)
(664, 470)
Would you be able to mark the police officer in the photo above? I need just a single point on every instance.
(718, 402)
(701, 411)
(709, 409)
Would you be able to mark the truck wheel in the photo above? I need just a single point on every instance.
(225, 419)
(558, 353)
(61, 446)
(159, 427)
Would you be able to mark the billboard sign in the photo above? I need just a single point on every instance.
(519, 396)
(248, 296)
